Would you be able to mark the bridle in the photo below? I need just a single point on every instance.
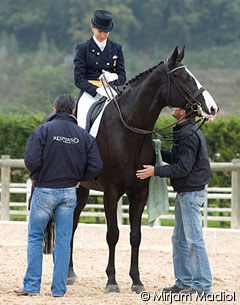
(191, 99)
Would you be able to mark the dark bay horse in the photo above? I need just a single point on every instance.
(125, 145)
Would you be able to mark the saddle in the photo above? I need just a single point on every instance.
(94, 111)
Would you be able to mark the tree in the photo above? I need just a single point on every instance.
(29, 19)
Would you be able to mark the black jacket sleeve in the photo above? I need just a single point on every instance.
(80, 70)
(94, 162)
(166, 156)
(34, 151)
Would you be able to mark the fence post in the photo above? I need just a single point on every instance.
(120, 211)
(235, 217)
(5, 179)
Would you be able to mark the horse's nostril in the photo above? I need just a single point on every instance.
(214, 110)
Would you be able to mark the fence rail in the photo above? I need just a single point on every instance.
(232, 194)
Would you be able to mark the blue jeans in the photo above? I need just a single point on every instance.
(47, 202)
(190, 260)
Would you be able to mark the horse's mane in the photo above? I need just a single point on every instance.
(138, 77)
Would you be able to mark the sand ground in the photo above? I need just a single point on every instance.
(90, 259)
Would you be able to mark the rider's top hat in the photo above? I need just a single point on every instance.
(102, 20)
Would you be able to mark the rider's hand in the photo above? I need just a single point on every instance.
(108, 76)
(107, 92)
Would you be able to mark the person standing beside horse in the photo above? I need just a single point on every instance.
(94, 57)
(189, 171)
(58, 155)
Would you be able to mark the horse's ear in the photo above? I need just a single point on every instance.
(181, 55)
(174, 55)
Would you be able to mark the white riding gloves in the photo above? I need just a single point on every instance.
(105, 90)
(108, 92)
(108, 76)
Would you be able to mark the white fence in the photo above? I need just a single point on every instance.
(230, 214)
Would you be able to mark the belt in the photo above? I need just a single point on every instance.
(97, 83)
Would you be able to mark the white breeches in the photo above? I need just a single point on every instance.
(84, 104)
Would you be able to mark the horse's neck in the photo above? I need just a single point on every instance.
(142, 104)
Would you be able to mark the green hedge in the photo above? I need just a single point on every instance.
(222, 135)
(14, 131)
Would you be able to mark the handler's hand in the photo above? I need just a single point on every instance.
(148, 171)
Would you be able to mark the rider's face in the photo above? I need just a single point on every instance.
(98, 34)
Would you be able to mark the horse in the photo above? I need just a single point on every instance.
(125, 143)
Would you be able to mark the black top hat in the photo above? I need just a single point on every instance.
(102, 20)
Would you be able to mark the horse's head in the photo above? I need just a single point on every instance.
(193, 94)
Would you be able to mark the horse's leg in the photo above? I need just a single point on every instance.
(110, 205)
(82, 196)
(136, 207)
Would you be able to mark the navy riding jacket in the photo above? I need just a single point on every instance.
(189, 166)
(89, 62)
(59, 153)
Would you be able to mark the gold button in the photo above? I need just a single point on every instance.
(98, 53)
(96, 63)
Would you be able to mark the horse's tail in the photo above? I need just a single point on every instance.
(49, 237)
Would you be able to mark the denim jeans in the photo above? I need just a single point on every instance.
(190, 260)
(47, 202)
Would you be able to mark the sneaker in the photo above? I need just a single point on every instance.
(192, 291)
(21, 292)
(172, 289)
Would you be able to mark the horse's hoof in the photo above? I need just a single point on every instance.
(138, 288)
(111, 288)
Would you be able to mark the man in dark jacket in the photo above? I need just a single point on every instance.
(189, 173)
(58, 155)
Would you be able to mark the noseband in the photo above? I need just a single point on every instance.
(190, 97)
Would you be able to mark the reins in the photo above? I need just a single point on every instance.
(134, 129)
(195, 105)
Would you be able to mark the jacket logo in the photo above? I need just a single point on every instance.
(66, 140)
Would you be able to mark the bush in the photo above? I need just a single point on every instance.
(15, 129)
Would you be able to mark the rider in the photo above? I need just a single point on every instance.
(94, 57)
(189, 173)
